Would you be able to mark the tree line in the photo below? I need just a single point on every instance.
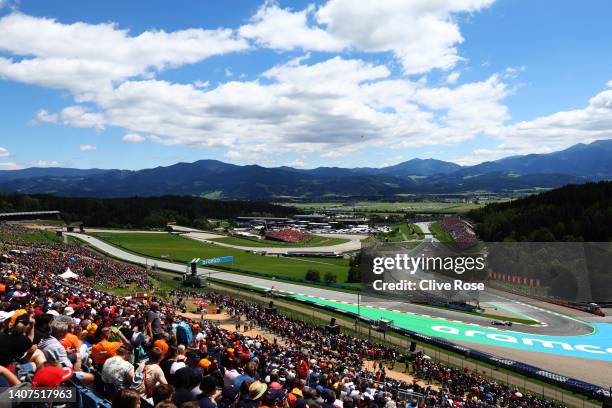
(140, 212)
(571, 213)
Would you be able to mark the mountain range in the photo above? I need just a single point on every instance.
(215, 179)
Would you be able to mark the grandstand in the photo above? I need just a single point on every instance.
(29, 215)
(288, 235)
(114, 349)
(459, 230)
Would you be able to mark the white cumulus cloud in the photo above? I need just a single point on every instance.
(133, 138)
(84, 57)
(75, 115)
(332, 108)
(87, 148)
(285, 29)
(422, 34)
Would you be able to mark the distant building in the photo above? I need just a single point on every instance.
(29, 215)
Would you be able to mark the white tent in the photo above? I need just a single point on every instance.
(69, 274)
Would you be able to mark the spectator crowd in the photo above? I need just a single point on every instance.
(139, 352)
(288, 235)
(459, 230)
(56, 257)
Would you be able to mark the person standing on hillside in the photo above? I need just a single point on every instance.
(154, 323)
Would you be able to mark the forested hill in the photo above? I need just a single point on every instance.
(571, 213)
(138, 212)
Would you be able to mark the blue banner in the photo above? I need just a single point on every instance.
(204, 262)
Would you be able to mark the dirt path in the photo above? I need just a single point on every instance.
(397, 374)
(228, 323)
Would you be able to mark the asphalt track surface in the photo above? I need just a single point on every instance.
(353, 244)
(550, 322)
(573, 341)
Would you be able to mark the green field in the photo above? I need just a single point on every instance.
(402, 232)
(183, 249)
(30, 236)
(315, 241)
(434, 207)
(437, 232)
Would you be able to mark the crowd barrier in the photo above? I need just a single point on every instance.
(86, 398)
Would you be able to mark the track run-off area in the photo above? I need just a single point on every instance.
(570, 342)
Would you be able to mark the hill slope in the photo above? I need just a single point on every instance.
(211, 178)
(571, 213)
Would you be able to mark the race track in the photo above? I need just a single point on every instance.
(354, 244)
(571, 340)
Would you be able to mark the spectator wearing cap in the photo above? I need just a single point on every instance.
(51, 376)
(275, 399)
(296, 393)
(162, 343)
(255, 392)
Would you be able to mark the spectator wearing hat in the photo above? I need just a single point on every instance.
(256, 390)
(51, 376)
(162, 343)
(275, 399)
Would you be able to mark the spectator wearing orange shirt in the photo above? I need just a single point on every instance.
(104, 349)
(70, 341)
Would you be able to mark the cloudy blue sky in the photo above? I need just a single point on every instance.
(116, 84)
